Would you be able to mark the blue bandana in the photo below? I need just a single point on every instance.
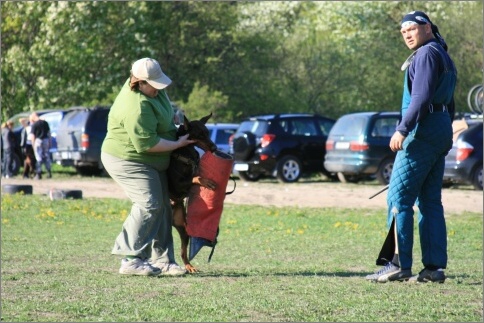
(421, 18)
(415, 17)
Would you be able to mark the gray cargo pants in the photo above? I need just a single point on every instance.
(147, 231)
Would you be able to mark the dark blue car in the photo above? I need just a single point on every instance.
(463, 163)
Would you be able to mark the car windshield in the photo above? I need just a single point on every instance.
(223, 136)
(53, 119)
(350, 125)
(257, 127)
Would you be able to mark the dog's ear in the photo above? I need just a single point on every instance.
(181, 131)
(205, 119)
(186, 121)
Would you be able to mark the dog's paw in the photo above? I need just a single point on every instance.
(190, 269)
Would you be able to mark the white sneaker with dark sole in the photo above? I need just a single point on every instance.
(169, 269)
(390, 272)
(139, 267)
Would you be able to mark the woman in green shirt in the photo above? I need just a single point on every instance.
(136, 153)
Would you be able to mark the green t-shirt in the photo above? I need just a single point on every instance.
(136, 123)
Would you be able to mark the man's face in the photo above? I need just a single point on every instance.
(416, 35)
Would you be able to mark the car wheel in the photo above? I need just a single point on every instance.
(477, 178)
(447, 184)
(385, 171)
(249, 176)
(289, 169)
(12, 189)
(345, 178)
(88, 170)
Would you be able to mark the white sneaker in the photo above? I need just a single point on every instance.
(170, 269)
(137, 266)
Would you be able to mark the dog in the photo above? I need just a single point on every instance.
(29, 162)
(182, 174)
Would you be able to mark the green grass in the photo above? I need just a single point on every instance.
(271, 264)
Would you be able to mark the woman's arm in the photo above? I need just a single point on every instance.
(168, 145)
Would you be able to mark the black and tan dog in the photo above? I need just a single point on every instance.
(182, 174)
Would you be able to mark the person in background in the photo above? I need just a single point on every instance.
(422, 140)
(27, 149)
(136, 152)
(8, 147)
(179, 116)
(41, 143)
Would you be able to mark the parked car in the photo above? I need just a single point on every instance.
(358, 146)
(53, 119)
(463, 163)
(79, 139)
(17, 161)
(284, 146)
(220, 134)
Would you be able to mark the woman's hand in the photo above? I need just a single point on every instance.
(183, 141)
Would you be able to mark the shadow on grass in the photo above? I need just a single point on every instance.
(302, 274)
(458, 279)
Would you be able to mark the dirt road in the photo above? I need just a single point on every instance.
(307, 193)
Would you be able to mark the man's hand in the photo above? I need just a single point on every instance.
(396, 143)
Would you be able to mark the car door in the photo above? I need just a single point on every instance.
(381, 129)
(311, 143)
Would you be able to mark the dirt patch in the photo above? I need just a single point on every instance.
(271, 193)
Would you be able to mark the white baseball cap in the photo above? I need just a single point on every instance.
(149, 70)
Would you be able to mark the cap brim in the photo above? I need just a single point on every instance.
(160, 83)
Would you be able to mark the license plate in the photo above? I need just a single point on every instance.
(241, 167)
(70, 155)
(342, 145)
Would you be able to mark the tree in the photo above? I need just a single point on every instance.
(328, 57)
(202, 102)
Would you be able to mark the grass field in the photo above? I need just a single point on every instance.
(270, 265)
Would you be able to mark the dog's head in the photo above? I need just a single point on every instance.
(198, 131)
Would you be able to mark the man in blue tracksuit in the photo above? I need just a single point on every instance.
(422, 139)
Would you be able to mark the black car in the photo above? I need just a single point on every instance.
(358, 146)
(463, 163)
(79, 139)
(284, 146)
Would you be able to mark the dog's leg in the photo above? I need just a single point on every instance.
(179, 221)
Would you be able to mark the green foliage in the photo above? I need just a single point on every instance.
(329, 57)
(270, 265)
(202, 102)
